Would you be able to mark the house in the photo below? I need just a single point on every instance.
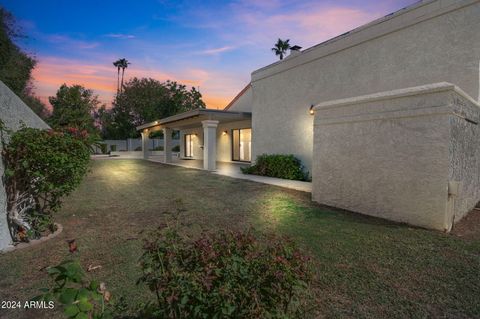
(395, 125)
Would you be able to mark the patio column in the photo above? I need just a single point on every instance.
(209, 144)
(167, 145)
(145, 143)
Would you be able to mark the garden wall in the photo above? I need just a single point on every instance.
(131, 144)
(13, 112)
(409, 155)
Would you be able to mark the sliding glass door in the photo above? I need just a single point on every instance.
(188, 145)
(242, 145)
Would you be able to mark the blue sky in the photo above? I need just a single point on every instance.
(208, 44)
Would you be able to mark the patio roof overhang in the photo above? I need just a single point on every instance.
(194, 118)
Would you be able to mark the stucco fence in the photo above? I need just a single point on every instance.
(410, 155)
(14, 113)
(132, 145)
(139, 154)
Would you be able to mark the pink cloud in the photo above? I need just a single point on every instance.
(217, 50)
(306, 26)
(51, 72)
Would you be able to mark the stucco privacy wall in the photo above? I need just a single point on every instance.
(431, 42)
(465, 154)
(399, 154)
(13, 112)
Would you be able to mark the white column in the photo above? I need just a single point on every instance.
(209, 144)
(167, 145)
(182, 144)
(145, 144)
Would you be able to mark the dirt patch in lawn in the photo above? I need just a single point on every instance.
(469, 227)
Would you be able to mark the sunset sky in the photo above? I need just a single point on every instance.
(208, 44)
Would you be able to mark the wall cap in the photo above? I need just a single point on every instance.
(395, 94)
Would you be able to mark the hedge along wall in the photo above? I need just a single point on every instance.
(13, 112)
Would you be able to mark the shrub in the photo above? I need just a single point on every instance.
(278, 165)
(40, 168)
(113, 148)
(176, 148)
(139, 148)
(158, 148)
(78, 297)
(223, 275)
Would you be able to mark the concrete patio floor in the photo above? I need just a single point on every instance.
(233, 170)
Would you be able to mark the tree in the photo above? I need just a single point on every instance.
(123, 64)
(281, 48)
(145, 100)
(74, 106)
(117, 64)
(15, 65)
(36, 105)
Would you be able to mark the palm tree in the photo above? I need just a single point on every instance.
(281, 47)
(123, 64)
(117, 64)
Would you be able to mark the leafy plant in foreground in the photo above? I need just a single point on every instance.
(80, 300)
(225, 275)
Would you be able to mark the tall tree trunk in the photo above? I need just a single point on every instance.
(121, 87)
(118, 80)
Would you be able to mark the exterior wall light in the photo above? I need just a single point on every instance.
(311, 111)
(224, 133)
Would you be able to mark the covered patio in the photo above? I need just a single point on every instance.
(210, 131)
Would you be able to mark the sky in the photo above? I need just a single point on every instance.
(212, 45)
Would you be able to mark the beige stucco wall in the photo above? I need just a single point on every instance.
(436, 41)
(465, 155)
(13, 113)
(244, 102)
(393, 155)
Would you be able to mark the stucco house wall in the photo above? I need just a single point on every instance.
(399, 154)
(430, 42)
(13, 113)
(242, 102)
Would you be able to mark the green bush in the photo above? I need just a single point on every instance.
(113, 148)
(278, 165)
(176, 148)
(225, 275)
(158, 148)
(41, 167)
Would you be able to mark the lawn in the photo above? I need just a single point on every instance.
(366, 267)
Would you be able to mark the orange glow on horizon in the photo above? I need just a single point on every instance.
(51, 73)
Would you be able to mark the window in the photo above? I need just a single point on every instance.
(188, 145)
(242, 145)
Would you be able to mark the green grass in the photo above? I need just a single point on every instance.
(366, 267)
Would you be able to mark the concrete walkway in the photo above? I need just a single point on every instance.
(233, 170)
